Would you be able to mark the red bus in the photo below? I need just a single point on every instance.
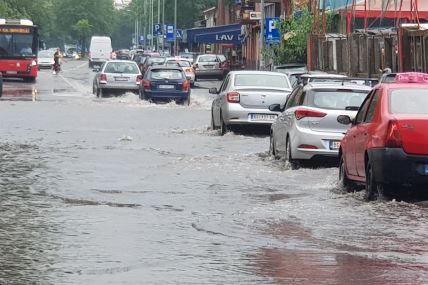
(19, 45)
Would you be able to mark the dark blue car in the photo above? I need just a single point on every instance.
(162, 83)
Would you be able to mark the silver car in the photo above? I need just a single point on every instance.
(45, 59)
(307, 128)
(210, 66)
(117, 75)
(244, 99)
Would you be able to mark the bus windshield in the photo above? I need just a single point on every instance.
(17, 45)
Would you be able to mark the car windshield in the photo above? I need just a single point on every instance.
(46, 53)
(291, 68)
(121, 67)
(170, 74)
(409, 101)
(336, 99)
(208, 58)
(179, 63)
(294, 79)
(261, 80)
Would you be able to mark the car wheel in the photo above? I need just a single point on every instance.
(294, 164)
(374, 190)
(99, 93)
(213, 126)
(94, 89)
(186, 101)
(223, 127)
(272, 150)
(343, 182)
(141, 95)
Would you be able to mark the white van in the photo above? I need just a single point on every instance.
(100, 50)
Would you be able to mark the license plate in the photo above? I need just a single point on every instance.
(11, 72)
(166, 86)
(121, 78)
(262, 117)
(334, 145)
(209, 66)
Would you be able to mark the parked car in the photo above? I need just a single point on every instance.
(163, 83)
(244, 99)
(210, 66)
(185, 64)
(45, 59)
(307, 127)
(387, 144)
(117, 75)
(100, 51)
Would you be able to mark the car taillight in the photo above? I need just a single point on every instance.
(189, 70)
(223, 65)
(139, 79)
(233, 97)
(393, 137)
(186, 85)
(147, 85)
(303, 113)
(103, 78)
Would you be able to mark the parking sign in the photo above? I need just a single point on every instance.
(272, 33)
(157, 29)
(170, 36)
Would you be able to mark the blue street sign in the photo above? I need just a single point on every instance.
(272, 33)
(170, 36)
(179, 34)
(157, 31)
(141, 39)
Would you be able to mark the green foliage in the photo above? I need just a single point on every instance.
(296, 28)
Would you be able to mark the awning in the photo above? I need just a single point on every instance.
(228, 34)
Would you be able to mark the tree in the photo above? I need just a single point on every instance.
(294, 44)
(83, 29)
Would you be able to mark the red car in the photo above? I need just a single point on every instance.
(387, 144)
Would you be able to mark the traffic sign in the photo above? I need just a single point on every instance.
(170, 37)
(272, 33)
(157, 29)
(179, 34)
(141, 39)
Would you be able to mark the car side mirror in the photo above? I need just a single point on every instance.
(213, 91)
(344, 120)
(275, 108)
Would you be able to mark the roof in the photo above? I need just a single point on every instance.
(338, 85)
(256, 72)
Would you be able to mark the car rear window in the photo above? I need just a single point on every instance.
(166, 74)
(261, 80)
(155, 60)
(46, 53)
(121, 67)
(409, 101)
(179, 63)
(208, 58)
(336, 99)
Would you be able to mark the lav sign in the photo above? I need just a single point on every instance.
(224, 37)
(272, 33)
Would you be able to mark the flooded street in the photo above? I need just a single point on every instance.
(120, 191)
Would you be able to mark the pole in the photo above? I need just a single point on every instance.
(262, 32)
(163, 25)
(175, 28)
(157, 38)
(152, 24)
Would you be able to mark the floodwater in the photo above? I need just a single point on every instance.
(119, 191)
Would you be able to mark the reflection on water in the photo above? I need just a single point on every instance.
(25, 229)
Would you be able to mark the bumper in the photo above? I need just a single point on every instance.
(323, 141)
(235, 114)
(397, 167)
(166, 96)
(45, 65)
(209, 73)
(120, 87)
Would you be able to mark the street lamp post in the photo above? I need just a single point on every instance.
(163, 24)
(175, 28)
(157, 36)
(262, 32)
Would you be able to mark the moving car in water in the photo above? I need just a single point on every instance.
(210, 66)
(117, 75)
(387, 144)
(185, 64)
(45, 59)
(163, 83)
(244, 99)
(307, 127)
